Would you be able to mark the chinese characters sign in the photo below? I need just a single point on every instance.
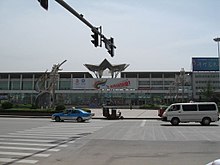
(205, 64)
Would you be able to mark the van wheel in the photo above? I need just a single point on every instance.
(175, 121)
(206, 121)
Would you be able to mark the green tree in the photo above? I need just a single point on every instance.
(208, 92)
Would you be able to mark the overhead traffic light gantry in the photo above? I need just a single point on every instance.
(97, 35)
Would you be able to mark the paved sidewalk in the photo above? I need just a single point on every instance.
(127, 113)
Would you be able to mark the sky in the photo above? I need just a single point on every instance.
(150, 35)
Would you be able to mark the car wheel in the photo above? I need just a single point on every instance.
(175, 121)
(57, 119)
(79, 119)
(206, 121)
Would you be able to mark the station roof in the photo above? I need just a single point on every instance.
(105, 64)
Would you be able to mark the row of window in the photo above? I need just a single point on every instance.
(193, 107)
(29, 85)
(66, 85)
(207, 76)
(155, 82)
(206, 82)
(149, 75)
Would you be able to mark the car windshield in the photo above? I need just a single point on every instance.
(174, 108)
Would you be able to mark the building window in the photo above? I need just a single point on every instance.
(15, 85)
(144, 83)
(27, 85)
(4, 85)
(157, 82)
(65, 85)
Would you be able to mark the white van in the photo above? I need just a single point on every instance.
(203, 112)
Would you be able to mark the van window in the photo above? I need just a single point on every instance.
(174, 108)
(189, 107)
(207, 107)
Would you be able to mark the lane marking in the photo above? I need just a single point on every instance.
(42, 135)
(35, 144)
(8, 160)
(23, 154)
(143, 123)
(29, 148)
(26, 140)
(33, 137)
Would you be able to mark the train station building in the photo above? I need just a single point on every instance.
(107, 81)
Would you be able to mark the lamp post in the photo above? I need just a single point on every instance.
(217, 39)
(182, 80)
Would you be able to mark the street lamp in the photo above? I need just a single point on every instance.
(217, 39)
(182, 80)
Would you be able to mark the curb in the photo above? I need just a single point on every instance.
(100, 118)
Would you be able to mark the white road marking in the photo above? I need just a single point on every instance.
(43, 134)
(143, 123)
(34, 144)
(23, 154)
(29, 148)
(26, 140)
(33, 137)
(49, 133)
(8, 160)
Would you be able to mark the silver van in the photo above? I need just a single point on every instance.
(203, 112)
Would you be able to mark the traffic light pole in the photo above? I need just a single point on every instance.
(80, 17)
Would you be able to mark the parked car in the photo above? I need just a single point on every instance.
(72, 114)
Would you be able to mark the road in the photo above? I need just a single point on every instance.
(107, 142)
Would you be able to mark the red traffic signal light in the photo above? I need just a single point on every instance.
(44, 4)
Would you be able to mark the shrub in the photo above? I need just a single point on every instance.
(33, 106)
(86, 109)
(7, 105)
(60, 107)
(150, 106)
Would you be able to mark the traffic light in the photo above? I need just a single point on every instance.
(44, 4)
(110, 47)
(95, 40)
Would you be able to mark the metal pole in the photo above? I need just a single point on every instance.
(218, 40)
(80, 17)
(218, 63)
(182, 72)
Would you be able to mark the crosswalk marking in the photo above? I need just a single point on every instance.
(30, 148)
(50, 133)
(23, 154)
(43, 134)
(28, 161)
(34, 144)
(26, 146)
(33, 137)
(26, 140)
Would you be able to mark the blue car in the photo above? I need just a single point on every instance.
(72, 114)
